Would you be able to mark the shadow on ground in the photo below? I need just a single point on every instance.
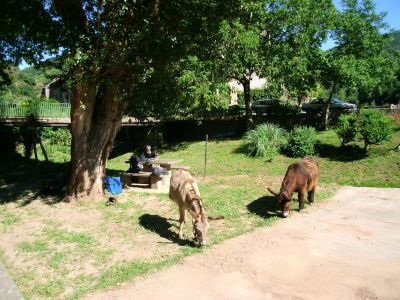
(173, 147)
(344, 153)
(162, 227)
(263, 207)
(24, 181)
(119, 148)
(241, 149)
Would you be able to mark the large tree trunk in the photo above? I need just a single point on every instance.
(96, 116)
(328, 107)
(247, 102)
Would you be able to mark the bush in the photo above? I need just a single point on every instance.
(374, 127)
(301, 141)
(265, 140)
(57, 136)
(347, 128)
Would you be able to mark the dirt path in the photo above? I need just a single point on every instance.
(345, 248)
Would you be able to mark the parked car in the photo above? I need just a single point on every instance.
(335, 103)
(264, 105)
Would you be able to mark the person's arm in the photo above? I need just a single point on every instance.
(155, 153)
(142, 157)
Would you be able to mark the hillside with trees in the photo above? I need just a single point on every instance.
(26, 85)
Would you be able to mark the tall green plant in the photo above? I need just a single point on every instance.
(265, 140)
(57, 136)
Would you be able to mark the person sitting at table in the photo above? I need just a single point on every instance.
(148, 154)
(135, 164)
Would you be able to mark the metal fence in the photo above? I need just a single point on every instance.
(39, 110)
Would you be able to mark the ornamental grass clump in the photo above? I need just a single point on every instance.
(265, 140)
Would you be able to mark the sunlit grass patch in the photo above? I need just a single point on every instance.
(38, 246)
(50, 289)
(56, 260)
(63, 236)
(8, 218)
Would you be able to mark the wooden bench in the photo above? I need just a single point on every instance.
(143, 179)
(146, 179)
(159, 182)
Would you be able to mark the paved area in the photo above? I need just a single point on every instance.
(345, 248)
(8, 290)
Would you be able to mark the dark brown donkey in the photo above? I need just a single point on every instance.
(301, 177)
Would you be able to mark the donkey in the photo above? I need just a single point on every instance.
(301, 177)
(185, 192)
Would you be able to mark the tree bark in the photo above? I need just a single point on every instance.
(96, 117)
(328, 107)
(35, 151)
(366, 146)
(247, 102)
(46, 158)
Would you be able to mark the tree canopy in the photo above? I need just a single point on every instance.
(360, 59)
(277, 40)
(106, 50)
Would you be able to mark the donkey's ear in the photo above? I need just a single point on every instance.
(272, 192)
(286, 196)
(203, 216)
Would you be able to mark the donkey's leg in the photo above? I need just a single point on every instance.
(310, 196)
(301, 200)
(182, 221)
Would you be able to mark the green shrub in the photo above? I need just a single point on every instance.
(301, 141)
(264, 140)
(347, 128)
(374, 127)
(57, 136)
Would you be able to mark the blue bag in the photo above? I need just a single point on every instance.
(113, 185)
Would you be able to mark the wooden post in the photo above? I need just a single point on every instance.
(205, 157)
(43, 150)
(34, 140)
(35, 151)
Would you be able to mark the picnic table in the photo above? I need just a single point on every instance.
(147, 179)
(163, 163)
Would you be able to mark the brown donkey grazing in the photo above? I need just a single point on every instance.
(301, 177)
(185, 192)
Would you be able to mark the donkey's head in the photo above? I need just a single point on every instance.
(200, 220)
(200, 228)
(283, 201)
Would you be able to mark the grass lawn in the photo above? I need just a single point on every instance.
(64, 251)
